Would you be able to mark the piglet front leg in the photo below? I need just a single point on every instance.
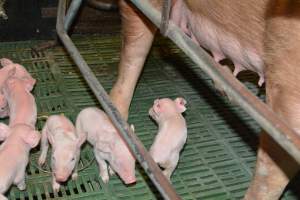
(102, 167)
(55, 184)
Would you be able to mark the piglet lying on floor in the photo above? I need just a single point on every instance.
(65, 143)
(108, 145)
(172, 132)
(12, 70)
(5, 74)
(21, 102)
(14, 153)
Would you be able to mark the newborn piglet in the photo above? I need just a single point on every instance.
(12, 70)
(108, 145)
(14, 156)
(66, 143)
(172, 132)
(21, 104)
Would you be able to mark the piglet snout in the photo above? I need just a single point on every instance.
(130, 180)
(60, 177)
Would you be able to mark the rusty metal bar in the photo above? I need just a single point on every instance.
(265, 117)
(135, 145)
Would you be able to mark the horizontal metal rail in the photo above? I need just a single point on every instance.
(259, 111)
(135, 145)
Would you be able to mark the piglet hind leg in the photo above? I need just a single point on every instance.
(44, 147)
(21, 185)
(170, 166)
(20, 178)
(138, 34)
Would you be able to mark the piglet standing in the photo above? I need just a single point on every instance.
(108, 145)
(172, 132)
(14, 154)
(66, 143)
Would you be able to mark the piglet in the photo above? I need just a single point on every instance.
(14, 156)
(21, 102)
(108, 145)
(20, 71)
(12, 70)
(22, 106)
(66, 143)
(5, 73)
(172, 132)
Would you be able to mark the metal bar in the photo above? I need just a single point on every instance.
(265, 117)
(135, 145)
(103, 5)
(165, 17)
(71, 14)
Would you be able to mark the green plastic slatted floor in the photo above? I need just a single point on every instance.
(218, 159)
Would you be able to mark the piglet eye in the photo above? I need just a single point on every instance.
(73, 159)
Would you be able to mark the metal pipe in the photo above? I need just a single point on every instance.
(135, 145)
(265, 117)
(102, 5)
(71, 14)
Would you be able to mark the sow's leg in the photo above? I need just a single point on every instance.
(137, 37)
(274, 167)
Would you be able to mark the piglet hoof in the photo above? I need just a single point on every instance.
(41, 161)
(74, 176)
(55, 187)
(22, 185)
(111, 171)
(105, 178)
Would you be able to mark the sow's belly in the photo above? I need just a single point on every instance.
(231, 29)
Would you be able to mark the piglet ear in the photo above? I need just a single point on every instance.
(180, 104)
(4, 131)
(157, 106)
(81, 139)
(11, 72)
(32, 139)
(5, 61)
(29, 83)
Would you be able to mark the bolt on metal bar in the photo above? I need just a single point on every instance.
(265, 117)
(135, 145)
